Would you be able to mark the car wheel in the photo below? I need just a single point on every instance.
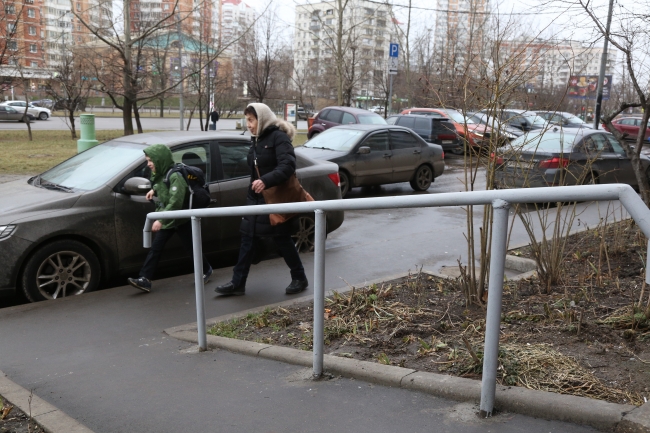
(25, 119)
(457, 151)
(42, 115)
(304, 235)
(344, 180)
(422, 179)
(59, 269)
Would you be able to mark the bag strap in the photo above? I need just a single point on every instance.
(257, 169)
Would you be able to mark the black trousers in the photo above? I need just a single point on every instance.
(184, 232)
(286, 248)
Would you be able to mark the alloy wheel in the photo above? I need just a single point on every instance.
(64, 273)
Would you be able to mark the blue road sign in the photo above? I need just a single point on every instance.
(394, 50)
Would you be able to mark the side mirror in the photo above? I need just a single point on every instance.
(137, 186)
(363, 150)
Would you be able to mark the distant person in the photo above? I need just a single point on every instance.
(214, 116)
(171, 197)
(271, 150)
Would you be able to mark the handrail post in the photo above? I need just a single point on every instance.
(198, 282)
(493, 318)
(319, 292)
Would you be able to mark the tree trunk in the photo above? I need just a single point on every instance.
(126, 116)
(73, 130)
(136, 113)
(162, 106)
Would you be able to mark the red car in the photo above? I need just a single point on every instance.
(630, 125)
(476, 135)
(334, 116)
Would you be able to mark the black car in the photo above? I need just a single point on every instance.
(436, 130)
(370, 155)
(519, 119)
(564, 119)
(80, 223)
(333, 116)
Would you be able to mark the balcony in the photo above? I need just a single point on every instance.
(314, 26)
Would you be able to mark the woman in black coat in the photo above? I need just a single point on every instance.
(273, 152)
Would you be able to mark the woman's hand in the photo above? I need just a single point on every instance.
(258, 186)
(157, 225)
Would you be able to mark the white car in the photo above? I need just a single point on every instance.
(377, 109)
(41, 113)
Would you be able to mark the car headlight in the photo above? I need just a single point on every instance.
(6, 231)
(477, 134)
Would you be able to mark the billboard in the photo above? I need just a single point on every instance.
(586, 86)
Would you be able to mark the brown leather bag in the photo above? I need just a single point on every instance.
(290, 191)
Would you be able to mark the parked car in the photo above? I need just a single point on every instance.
(80, 223)
(436, 130)
(564, 119)
(45, 103)
(630, 126)
(369, 155)
(474, 134)
(379, 109)
(302, 114)
(40, 113)
(507, 132)
(333, 116)
(565, 156)
(521, 119)
(10, 113)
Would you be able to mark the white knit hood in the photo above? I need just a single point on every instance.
(266, 118)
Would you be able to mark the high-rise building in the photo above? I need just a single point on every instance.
(367, 30)
(459, 31)
(236, 18)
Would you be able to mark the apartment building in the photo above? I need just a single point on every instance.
(545, 64)
(459, 32)
(367, 28)
(236, 18)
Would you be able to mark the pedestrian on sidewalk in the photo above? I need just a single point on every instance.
(214, 116)
(271, 150)
(172, 196)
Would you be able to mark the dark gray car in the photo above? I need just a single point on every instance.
(370, 155)
(80, 223)
(10, 113)
(437, 130)
(564, 157)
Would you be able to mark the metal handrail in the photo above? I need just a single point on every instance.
(500, 201)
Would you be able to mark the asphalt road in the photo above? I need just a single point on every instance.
(102, 357)
(102, 123)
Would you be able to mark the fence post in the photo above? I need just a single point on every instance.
(198, 282)
(493, 319)
(319, 292)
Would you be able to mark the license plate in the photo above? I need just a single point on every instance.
(447, 141)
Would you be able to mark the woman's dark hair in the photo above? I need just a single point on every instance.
(251, 111)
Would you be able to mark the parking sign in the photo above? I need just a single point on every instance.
(394, 50)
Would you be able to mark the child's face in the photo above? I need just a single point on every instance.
(150, 164)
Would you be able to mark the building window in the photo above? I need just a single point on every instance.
(329, 12)
(79, 6)
(33, 48)
(10, 9)
(12, 45)
(13, 62)
(166, 7)
(31, 13)
(381, 23)
(34, 64)
(11, 28)
(32, 31)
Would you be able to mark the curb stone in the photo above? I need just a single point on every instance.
(51, 419)
(604, 416)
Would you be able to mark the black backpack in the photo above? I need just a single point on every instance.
(199, 192)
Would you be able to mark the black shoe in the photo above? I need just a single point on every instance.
(296, 286)
(231, 289)
(140, 283)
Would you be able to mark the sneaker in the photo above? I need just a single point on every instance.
(207, 275)
(296, 286)
(140, 283)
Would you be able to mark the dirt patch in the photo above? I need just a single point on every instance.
(13, 420)
(587, 336)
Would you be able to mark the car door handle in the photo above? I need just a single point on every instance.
(387, 155)
(417, 151)
(322, 124)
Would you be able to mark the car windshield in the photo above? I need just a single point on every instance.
(371, 120)
(457, 117)
(553, 142)
(533, 119)
(574, 119)
(340, 139)
(93, 168)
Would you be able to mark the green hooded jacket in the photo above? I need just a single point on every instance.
(172, 197)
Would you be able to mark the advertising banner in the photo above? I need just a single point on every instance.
(586, 86)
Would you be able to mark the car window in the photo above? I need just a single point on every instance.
(402, 140)
(323, 114)
(377, 142)
(602, 143)
(372, 119)
(392, 120)
(338, 138)
(627, 122)
(196, 155)
(407, 122)
(348, 119)
(334, 116)
(423, 124)
(3, 109)
(234, 159)
(616, 146)
(11, 110)
(94, 167)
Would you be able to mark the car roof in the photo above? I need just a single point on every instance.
(172, 138)
(438, 119)
(348, 109)
(364, 127)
